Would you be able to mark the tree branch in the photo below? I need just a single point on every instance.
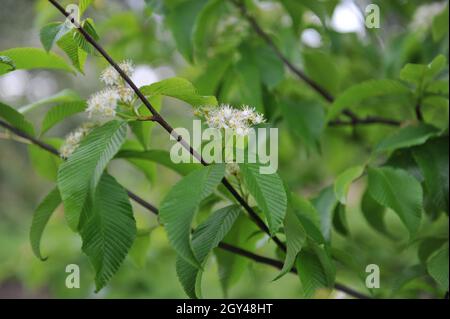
(355, 120)
(230, 248)
(161, 121)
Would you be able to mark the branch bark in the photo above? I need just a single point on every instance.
(153, 209)
(354, 119)
(161, 121)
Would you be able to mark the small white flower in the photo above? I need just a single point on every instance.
(232, 169)
(102, 105)
(127, 67)
(225, 116)
(111, 77)
(126, 94)
(73, 140)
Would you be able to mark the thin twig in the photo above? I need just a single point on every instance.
(355, 120)
(151, 208)
(161, 121)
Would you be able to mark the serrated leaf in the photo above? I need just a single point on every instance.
(374, 213)
(61, 112)
(205, 238)
(16, 119)
(437, 266)
(51, 33)
(295, 240)
(180, 89)
(433, 159)
(108, 229)
(63, 96)
(306, 119)
(34, 58)
(308, 216)
(84, 5)
(428, 246)
(80, 174)
(139, 251)
(343, 182)
(40, 219)
(76, 55)
(364, 90)
(179, 206)
(407, 136)
(325, 203)
(88, 26)
(161, 157)
(315, 270)
(269, 193)
(340, 220)
(396, 189)
(181, 21)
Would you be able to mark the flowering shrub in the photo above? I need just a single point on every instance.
(360, 122)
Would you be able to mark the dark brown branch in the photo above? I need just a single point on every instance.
(158, 118)
(230, 248)
(355, 120)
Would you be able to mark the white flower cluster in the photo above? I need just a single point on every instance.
(103, 104)
(227, 117)
(423, 17)
(73, 140)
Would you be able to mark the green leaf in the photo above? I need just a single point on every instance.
(88, 26)
(315, 269)
(80, 174)
(179, 206)
(364, 90)
(205, 238)
(70, 46)
(437, 266)
(306, 119)
(180, 89)
(270, 66)
(344, 180)
(181, 21)
(108, 229)
(205, 26)
(340, 220)
(325, 204)
(247, 80)
(139, 250)
(209, 80)
(433, 159)
(308, 216)
(439, 27)
(428, 246)
(61, 112)
(321, 68)
(51, 33)
(161, 157)
(244, 234)
(295, 240)
(15, 119)
(6, 65)
(269, 193)
(84, 5)
(374, 213)
(63, 96)
(40, 219)
(34, 58)
(396, 189)
(45, 163)
(407, 136)
(421, 74)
